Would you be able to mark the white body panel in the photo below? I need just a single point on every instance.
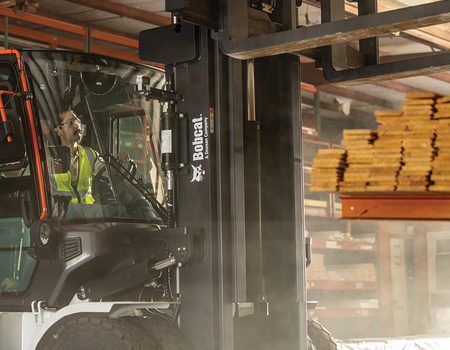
(24, 330)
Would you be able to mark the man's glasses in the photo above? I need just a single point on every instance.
(70, 122)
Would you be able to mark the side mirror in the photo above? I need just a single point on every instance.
(26, 207)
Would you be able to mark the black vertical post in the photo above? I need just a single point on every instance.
(215, 310)
(196, 198)
(254, 258)
(277, 87)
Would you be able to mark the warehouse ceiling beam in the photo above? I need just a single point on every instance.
(441, 76)
(55, 41)
(125, 11)
(69, 27)
(394, 85)
(92, 26)
(357, 96)
(335, 108)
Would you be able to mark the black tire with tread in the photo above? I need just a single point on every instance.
(98, 333)
(320, 336)
(164, 335)
(310, 344)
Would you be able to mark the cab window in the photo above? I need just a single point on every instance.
(16, 266)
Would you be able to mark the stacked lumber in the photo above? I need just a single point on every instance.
(441, 163)
(327, 169)
(442, 108)
(410, 151)
(359, 144)
(387, 153)
(417, 143)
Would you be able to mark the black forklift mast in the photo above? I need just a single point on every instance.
(244, 186)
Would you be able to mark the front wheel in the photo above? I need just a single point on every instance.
(164, 335)
(310, 344)
(97, 333)
(320, 336)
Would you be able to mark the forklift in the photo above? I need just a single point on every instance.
(196, 243)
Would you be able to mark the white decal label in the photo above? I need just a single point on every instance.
(166, 141)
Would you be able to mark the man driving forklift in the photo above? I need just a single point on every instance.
(76, 181)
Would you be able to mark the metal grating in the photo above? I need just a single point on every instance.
(70, 248)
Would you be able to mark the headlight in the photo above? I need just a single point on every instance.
(45, 233)
(42, 234)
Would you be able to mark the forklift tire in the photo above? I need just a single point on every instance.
(320, 336)
(163, 334)
(98, 333)
(310, 344)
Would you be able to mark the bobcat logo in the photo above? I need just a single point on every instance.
(197, 173)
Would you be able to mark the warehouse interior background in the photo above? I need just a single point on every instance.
(371, 278)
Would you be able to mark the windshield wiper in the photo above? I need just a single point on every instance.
(110, 161)
(160, 210)
(101, 145)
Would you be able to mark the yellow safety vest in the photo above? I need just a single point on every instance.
(62, 183)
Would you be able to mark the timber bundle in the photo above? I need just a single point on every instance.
(410, 151)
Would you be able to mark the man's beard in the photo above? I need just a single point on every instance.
(78, 135)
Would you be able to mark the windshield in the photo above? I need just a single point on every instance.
(91, 127)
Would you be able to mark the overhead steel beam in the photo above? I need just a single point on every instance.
(441, 76)
(335, 108)
(55, 41)
(43, 21)
(90, 25)
(357, 96)
(69, 27)
(126, 11)
(336, 32)
(394, 85)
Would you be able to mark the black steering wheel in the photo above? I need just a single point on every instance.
(129, 174)
(102, 186)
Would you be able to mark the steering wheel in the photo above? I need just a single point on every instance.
(101, 184)
(129, 174)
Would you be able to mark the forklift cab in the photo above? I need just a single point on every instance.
(36, 86)
(16, 267)
(62, 256)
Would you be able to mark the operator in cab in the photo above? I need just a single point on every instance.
(76, 183)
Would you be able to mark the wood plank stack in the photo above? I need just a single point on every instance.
(359, 143)
(417, 143)
(441, 163)
(387, 153)
(409, 152)
(327, 169)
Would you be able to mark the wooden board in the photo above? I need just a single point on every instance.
(422, 101)
(420, 95)
(389, 113)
